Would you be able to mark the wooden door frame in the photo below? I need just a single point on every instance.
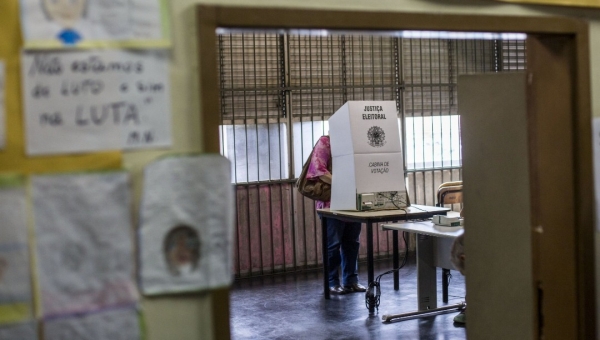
(560, 150)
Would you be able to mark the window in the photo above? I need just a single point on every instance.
(433, 142)
(278, 90)
(258, 152)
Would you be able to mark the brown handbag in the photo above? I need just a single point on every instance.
(315, 188)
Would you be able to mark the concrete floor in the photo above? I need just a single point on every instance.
(291, 306)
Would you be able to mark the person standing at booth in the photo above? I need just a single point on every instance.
(342, 237)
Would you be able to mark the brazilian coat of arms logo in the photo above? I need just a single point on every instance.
(376, 137)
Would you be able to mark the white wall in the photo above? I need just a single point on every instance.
(190, 317)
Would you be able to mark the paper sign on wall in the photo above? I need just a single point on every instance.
(186, 231)
(15, 278)
(94, 23)
(118, 324)
(21, 331)
(95, 100)
(84, 246)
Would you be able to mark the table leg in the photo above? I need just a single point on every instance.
(325, 257)
(426, 273)
(370, 271)
(396, 258)
(445, 279)
(442, 248)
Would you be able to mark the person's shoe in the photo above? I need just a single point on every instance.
(337, 290)
(355, 288)
(461, 317)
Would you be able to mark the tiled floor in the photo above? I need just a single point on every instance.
(291, 306)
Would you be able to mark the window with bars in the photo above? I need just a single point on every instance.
(278, 90)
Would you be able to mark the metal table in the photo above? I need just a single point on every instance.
(433, 251)
(369, 217)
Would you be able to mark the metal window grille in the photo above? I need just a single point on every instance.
(277, 92)
(252, 114)
(513, 54)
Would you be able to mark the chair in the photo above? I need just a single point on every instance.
(448, 193)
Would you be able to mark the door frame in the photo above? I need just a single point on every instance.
(560, 149)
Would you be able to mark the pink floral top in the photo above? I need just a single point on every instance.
(318, 164)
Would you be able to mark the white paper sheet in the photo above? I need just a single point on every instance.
(15, 270)
(85, 101)
(21, 331)
(121, 324)
(51, 23)
(84, 246)
(186, 231)
(2, 108)
(596, 150)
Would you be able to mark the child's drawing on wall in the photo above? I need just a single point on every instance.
(66, 13)
(52, 24)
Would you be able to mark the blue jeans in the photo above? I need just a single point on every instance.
(342, 245)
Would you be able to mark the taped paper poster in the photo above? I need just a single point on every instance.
(15, 271)
(186, 231)
(84, 101)
(118, 324)
(51, 24)
(84, 245)
(20, 331)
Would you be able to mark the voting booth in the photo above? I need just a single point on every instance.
(368, 169)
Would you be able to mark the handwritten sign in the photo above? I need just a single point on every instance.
(95, 100)
(94, 23)
(2, 116)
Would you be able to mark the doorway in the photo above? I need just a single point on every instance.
(559, 148)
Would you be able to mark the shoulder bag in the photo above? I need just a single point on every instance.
(313, 188)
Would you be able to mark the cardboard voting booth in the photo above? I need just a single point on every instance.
(368, 170)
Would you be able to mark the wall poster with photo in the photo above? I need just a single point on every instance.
(186, 225)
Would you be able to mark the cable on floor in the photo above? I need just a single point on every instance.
(373, 294)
